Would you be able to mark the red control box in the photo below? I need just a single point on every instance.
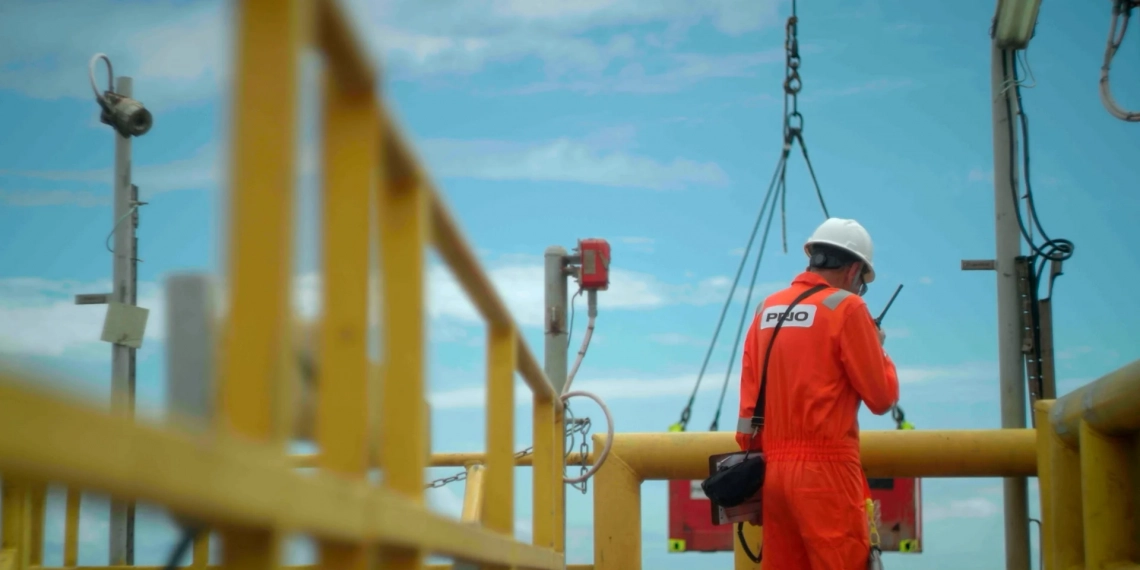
(595, 272)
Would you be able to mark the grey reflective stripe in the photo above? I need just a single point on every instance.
(833, 300)
(744, 425)
(758, 307)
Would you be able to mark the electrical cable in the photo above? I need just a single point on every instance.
(592, 314)
(91, 76)
(1121, 13)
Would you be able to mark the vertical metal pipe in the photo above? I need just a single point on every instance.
(1010, 363)
(556, 299)
(122, 381)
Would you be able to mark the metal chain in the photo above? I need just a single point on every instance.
(574, 426)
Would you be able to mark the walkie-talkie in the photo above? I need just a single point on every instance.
(879, 319)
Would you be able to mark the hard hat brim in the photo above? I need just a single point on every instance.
(869, 267)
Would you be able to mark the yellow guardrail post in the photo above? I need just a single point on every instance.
(71, 527)
(351, 149)
(499, 493)
(755, 537)
(1108, 499)
(617, 512)
(270, 37)
(16, 533)
(473, 494)
(37, 507)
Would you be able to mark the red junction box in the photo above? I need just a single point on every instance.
(595, 272)
(691, 528)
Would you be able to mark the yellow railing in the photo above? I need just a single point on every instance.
(238, 479)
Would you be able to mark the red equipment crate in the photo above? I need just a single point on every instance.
(595, 272)
(691, 528)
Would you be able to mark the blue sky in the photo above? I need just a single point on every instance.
(654, 125)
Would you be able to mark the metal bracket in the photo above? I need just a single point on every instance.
(1029, 325)
(978, 265)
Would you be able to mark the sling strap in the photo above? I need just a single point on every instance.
(762, 397)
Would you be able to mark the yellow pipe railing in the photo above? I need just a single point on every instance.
(238, 479)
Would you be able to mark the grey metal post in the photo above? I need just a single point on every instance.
(190, 347)
(555, 300)
(123, 291)
(1010, 363)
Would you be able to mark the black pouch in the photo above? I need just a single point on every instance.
(734, 484)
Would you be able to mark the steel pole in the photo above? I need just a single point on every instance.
(1010, 360)
(122, 357)
(555, 301)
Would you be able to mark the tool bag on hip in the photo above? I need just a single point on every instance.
(733, 485)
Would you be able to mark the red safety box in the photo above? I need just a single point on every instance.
(691, 528)
(595, 272)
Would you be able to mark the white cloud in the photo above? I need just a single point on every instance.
(179, 52)
(38, 317)
(925, 280)
(199, 171)
(675, 339)
(972, 508)
(979, 175)
(520, 279)
(565, 160)
(176, 51)
(33, 198)
(637, 244)
(467, 36)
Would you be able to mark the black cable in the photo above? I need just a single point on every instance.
(1052, 249)
(189, 535)
(744, 311)
(811, 171)
(686, 413)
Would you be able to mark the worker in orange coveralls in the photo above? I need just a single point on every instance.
(827, 358)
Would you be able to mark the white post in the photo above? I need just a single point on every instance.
(122, 357)
(1010, 364)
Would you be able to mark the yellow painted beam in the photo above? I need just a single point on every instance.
(225, 481)
(891, 453)
(617, 516)
(755, 537)
(454, 459)
(15, 528)
(404, 231)
(499, 494)
(1106, 491)
(37, 509)
(350, 152)
(302, 567)
(547, 473)
(345, 55)
(473, 495)
(71, 527)
(1110, 404)
(1046, 485)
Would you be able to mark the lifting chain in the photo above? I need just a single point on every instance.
(574, 426)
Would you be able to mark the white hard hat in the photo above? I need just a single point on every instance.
(847, 235)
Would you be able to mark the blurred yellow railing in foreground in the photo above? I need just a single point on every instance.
(239, 480)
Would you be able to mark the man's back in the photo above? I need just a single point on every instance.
(826, 359)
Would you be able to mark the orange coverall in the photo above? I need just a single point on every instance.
(825, 361)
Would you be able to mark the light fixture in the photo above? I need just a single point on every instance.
(1015, 22)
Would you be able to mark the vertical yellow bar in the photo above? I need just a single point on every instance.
(200, 556)
(1045, 484)
(404, 209)
(547, 474)
(557, 481)
(1066, 518)
(499, 508)
(473, 498)
(71, 527)
(270, 36)
(15, 534)
(617, 515)
(755, 537)
(1107, 493)
(350, 154)
(37, 507)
